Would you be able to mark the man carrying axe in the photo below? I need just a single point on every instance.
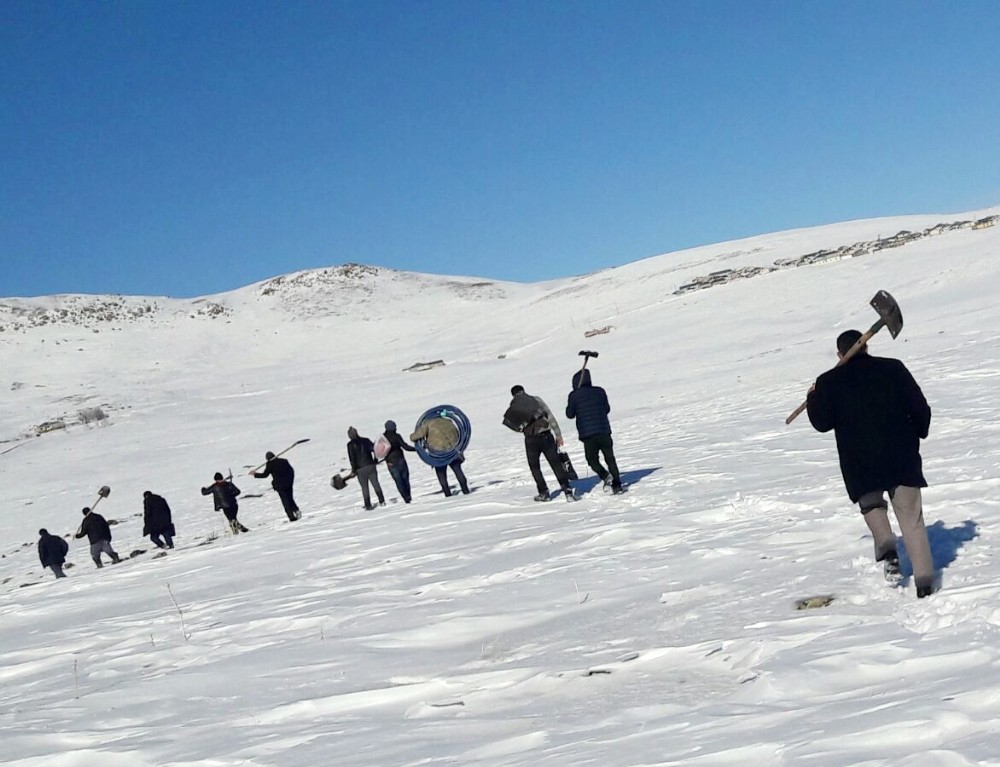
(879, 415)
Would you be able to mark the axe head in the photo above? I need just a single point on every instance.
(589, 354)
(888, 310)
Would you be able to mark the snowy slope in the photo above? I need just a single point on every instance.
(653, 629)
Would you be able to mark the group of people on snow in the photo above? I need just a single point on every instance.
(438, 433)
(157, 519)
(588, 405)
(873, 405)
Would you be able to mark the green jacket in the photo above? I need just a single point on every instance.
(440, 433)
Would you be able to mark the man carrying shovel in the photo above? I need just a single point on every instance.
(282, 479)
(97, 531)
(879, 415)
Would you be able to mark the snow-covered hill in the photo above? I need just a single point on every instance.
(656, 628)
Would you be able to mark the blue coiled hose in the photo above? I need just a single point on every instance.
(461, 421)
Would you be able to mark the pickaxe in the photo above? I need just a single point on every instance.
(586, 358)
(889, 316)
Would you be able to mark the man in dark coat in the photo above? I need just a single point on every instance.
(588, 404)
(98, 532)
(224, 493)
(399, 470)
(157, 520)
(879, 415)
(52, 552)
(282, 477)
(541, 437)
(361, 454)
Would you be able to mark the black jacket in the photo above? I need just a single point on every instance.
(95, 527)
(361, 453)
(527, 414)
(588, 404)
(395, 454)
(224, 494)
(156, 517)
(879, 415)
(52, 550)
(281, 472)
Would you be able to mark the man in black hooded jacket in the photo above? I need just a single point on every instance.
(879, 415)
(399, 470)
(588, 404)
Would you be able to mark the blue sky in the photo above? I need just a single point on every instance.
(186, 148)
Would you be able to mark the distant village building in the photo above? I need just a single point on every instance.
(418, 367)
(897, 240)
(984, 223)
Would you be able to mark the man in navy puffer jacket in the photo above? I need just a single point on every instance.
(588, 404)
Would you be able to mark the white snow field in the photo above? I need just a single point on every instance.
(655, 628)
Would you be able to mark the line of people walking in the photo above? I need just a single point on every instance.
(587, 404)
(874, 406)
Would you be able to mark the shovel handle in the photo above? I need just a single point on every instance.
(261, 466)
(797, 412)
(850, 353)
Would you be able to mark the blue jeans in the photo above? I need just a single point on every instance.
(400, 474)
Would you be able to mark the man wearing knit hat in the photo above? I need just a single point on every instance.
(399, 470)
(224, 493)
(361, 454)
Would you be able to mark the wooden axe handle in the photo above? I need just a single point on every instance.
(879, 324)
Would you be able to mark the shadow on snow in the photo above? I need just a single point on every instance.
(946, 542)
(585, 485)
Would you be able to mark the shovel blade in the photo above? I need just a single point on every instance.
(889, 311)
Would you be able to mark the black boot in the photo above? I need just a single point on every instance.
(890, 565)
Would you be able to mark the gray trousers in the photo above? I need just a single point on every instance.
(908, 508)
(366, 475)
(102, 547)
